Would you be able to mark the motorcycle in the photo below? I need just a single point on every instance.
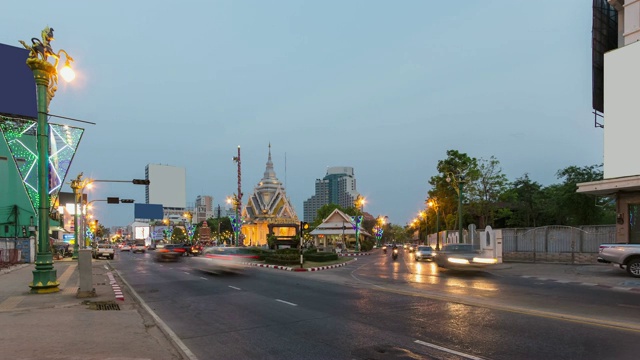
(394, 255)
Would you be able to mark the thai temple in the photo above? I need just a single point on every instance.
(268, 209)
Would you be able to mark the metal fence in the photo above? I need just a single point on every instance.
(556, 243)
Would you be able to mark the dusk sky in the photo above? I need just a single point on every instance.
(385, 87)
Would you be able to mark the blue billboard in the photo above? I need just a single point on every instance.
(148, 211)
(18, 90)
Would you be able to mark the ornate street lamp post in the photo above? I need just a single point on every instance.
(46, 78)
(434, 204)
(460, 183)
(356, 226)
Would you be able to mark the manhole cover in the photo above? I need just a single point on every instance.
(103, 305)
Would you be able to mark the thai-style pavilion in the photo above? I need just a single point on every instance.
(268, 209)
(337, 231)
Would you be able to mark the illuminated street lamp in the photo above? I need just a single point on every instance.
(359, 203)
(46, 78)
(459, 182)
(434, 204)
(78, 185)
(236, 221)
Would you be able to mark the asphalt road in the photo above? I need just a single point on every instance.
(376, 308)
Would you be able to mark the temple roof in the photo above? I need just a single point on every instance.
(269, 201)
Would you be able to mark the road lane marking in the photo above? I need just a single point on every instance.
(186, 273)
(233, 287)
(448, 350)
(286, 302)
(203, 278)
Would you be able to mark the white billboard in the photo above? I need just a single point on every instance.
(167, 186)
(621, 111)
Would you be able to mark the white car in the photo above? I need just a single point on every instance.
(223, 259)
(125, 247)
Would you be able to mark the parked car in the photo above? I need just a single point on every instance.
(462, 257)
(224, 259)
(625, 255)
(424, 252)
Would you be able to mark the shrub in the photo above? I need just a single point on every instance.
(366, 244)
(262, 253)
(321, 256)
(288, 251)
(283, 259)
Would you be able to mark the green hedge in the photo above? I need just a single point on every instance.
(288, 251)
(262, 253)
(321, 256)
(283, 259)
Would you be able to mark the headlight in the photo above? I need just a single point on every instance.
(458, 260)
(485, 260)
(433, 254)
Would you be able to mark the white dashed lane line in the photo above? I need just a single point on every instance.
(233, 287)
(466, 356)
(286, 302)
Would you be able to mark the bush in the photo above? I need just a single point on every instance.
(288, 251)
(367, 244)
(262, 253)
(310, 251)
(321, 256)
(283, 259)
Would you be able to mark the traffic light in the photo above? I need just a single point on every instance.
(127, 201)
(140, 181)
(113, 200)
(304, 225)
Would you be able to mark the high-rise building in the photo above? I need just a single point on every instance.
(337, 187)
(203, 209)
(167, 187)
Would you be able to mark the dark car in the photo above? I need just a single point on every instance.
(424, 252)
(167, 254)
(462, 257)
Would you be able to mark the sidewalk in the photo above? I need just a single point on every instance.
(111, 325)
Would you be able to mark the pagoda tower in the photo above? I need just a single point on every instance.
(267, 205)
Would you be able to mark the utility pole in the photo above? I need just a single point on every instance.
(238, 199)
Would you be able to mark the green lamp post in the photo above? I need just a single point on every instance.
(434, 204)
(460, 183)
(46, 78)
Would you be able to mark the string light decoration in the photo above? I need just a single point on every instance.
(20, 136)
(355, 222)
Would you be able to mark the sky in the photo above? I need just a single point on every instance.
(385, 87)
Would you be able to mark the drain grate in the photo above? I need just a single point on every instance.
(103, 305)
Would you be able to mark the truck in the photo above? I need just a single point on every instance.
(105, 250)
(625, 255)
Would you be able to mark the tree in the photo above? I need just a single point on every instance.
(326, 210)
(446, 192)
(524, 198)
(572, 208)
(485, 191)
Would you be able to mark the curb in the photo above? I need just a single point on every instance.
(354, 254)
(116, 288)
(288, 268)
(13, 267)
